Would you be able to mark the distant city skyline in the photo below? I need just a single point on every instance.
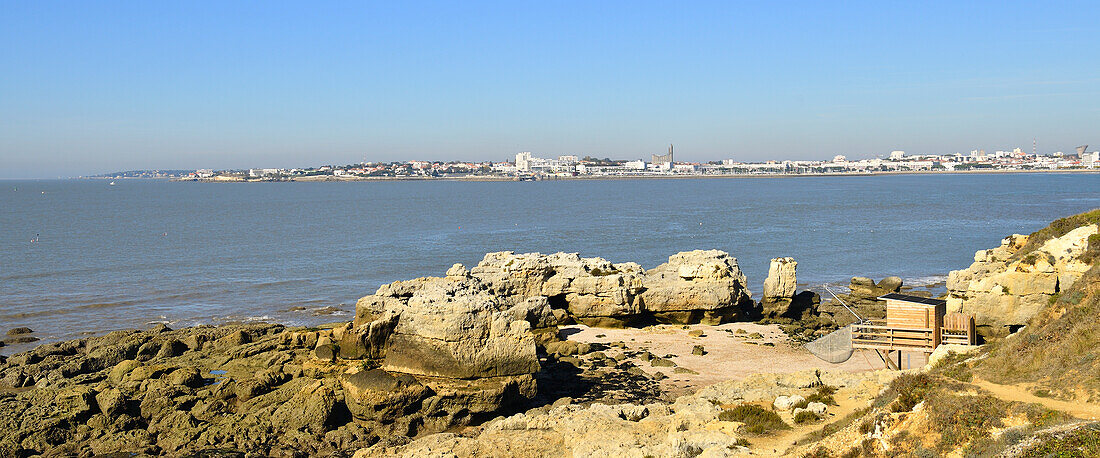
(91, 88)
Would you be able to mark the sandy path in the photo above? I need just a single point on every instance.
(729, 355)
(1020, 392)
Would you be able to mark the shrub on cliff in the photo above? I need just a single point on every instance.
(757, 420)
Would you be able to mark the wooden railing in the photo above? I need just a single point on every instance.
(950, 336)
(876, 335)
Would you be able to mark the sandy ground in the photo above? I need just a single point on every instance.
(733, 355)
(730, 354)
(1023, 393)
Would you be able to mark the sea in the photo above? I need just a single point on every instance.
(84, 257)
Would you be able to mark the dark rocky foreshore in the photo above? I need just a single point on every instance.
(421, 356)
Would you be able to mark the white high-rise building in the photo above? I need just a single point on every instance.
(897, 155)
(523, 161)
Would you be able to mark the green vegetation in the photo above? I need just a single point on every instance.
(824, 395)
(962, 418)
(1081, 442)
(805, 416)
(956, 416)
(757, 420)
(906, 391)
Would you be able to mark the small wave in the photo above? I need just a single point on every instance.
(277, 283)
(928, 280)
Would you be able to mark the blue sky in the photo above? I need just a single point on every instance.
(93, 87)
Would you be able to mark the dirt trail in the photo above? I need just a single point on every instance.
(1020, 392)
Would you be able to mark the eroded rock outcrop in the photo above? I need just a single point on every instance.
(1009, 284)
(779, 287)
(692, 287)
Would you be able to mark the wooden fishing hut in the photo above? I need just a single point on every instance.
(913, 324)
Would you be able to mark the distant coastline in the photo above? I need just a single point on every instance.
(332, 178)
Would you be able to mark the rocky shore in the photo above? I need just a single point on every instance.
(520, 355)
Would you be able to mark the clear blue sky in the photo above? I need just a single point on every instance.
(93, 87)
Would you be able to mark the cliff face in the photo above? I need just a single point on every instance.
(1007, 285)
(1057, 348)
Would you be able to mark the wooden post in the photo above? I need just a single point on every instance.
(889, 360)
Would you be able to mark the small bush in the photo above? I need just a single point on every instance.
(819, 452)
(1042, 417)
(907, 390)
(757, 420)
(962, 419)
(805, 416)
(823, 395)
(866, 426)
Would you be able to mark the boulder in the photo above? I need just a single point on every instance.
(817, 408)
(453, 329)
(696, 287)
(185, 376)
(19, 331)
(377, 395)
(889, 285)
(787, 402)
(310, 409)
(111, 402)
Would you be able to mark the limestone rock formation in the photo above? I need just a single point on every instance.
(781, 279)
(696, 287)
(779, 287)
(1005, 286)
(693, 287)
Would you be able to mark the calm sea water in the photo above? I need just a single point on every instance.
(140, 252)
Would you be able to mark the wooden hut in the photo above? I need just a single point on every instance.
(913, 324)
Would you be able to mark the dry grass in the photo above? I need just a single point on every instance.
(1059, 228)
(1057, 348)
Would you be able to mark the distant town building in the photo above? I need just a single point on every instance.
(897, 155)
(660, 159)
(523, 162)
